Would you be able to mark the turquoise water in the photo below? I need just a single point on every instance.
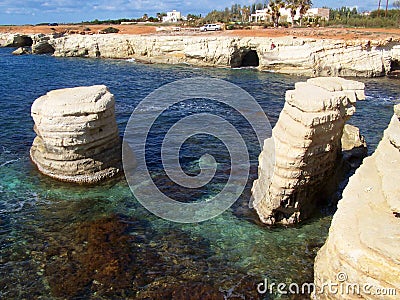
(65, 241)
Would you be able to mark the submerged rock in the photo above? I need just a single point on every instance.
(295, 165)
(77, 135)
(363, 242)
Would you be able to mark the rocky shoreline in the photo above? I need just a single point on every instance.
(363, 238)
(287, 55)
(362, 247)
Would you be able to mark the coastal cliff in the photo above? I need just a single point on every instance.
(310, 57)
(291, 55)
(297, 163)
(363, 244)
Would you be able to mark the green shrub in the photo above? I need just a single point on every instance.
(284, 24)
(110, 30)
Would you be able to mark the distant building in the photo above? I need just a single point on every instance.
(172, 17)
(265, 15)
(323, 13)
(260, 15)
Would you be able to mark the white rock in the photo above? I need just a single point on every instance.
(364, 235)
(307, 141)
(300, 56)
(77, 135)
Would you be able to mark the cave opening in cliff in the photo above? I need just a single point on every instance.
(250, 59)
(394, 69)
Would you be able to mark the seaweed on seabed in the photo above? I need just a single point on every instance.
(100, 260)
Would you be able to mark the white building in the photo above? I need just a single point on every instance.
(323, 13)
(172, 17)
(260, 15)
(265, 15)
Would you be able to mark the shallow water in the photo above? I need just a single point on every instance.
(98, 242)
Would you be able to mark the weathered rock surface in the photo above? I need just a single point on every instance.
(41, 43)
(42, 47)
(364, 237)
(310, 57)
(354, 146)
(16, 40)
(22, 51)
(291, 55)
(77, 136)
(296, 163)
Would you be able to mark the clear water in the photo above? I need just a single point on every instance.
(65, 241)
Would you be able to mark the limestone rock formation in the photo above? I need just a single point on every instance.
(42, 47)
(354, 146)
(18, 40)
(289, 55)
(77, 135)
(41, 44)
(22, 51)
(305, 148)
(364, 237)
(310, 57)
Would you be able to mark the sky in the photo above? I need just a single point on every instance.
(63, 11)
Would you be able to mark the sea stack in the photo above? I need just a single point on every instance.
(77, 135)
(362, 250)
(307, 148)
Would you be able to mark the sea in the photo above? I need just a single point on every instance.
(65, 241)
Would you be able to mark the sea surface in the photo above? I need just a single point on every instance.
(63, 241)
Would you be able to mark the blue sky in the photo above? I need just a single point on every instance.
(62, 11)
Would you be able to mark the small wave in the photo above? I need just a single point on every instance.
(131, 60)
(9, 162)
(150, 108)
(5, 150)
(18, 208)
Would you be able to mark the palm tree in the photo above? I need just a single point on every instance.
(379, 8)
(245, 13)
(386, 10)
(274, 10)
(293, 5)
(304, 5)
